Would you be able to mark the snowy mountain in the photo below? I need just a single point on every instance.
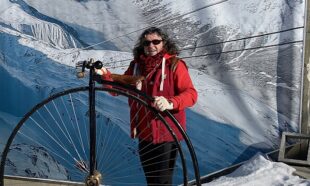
(246, 97)
(43, 165)
(31, 23)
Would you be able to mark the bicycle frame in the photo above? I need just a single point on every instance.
(94, 177)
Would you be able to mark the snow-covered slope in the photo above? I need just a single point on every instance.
(261, 171)
(225, 104)
(52, 32)
(97, 21)
(43, 165)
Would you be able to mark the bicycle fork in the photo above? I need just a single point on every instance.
(94, 177)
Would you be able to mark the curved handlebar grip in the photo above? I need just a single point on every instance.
(91, 64)
(80, 63)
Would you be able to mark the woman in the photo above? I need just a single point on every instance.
(166, 78)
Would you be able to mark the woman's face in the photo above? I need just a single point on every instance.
(153, 44)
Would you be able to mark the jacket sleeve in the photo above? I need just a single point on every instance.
(130, 68)
(186, 93)
(108, 77)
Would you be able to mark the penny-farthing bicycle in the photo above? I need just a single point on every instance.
(83, 135)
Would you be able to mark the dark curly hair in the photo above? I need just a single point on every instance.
(169, 44)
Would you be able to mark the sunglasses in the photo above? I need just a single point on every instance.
(155, 42)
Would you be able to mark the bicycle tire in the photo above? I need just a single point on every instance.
(124, 92)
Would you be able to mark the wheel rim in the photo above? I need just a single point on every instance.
(75, 147)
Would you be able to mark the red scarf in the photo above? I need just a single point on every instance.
(148, 63)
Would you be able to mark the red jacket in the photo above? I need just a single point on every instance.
(177, 88)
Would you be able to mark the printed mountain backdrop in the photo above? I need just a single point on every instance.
(244, 56)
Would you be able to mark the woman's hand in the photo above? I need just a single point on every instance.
(162, 104)
(102, 71)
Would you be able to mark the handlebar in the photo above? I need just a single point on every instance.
(91, 64)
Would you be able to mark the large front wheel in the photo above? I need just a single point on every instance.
(52, 141)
